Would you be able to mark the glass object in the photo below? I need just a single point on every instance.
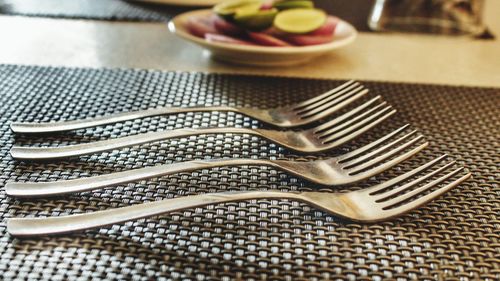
(453, 17)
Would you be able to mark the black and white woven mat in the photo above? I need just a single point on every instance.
(113, 10)
(456, 237)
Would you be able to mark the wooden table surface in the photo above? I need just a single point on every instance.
(373, 56)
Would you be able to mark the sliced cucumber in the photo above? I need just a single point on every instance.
(228, 9)
(259, 20)
(293, 4)
(299, 21)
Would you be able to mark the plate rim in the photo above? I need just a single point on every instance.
(175, 23)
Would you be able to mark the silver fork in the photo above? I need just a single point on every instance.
(348, 168)
(373, 204)
(327, 136)
(294, 115)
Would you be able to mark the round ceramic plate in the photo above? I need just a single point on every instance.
(196, 3)
(345, 34)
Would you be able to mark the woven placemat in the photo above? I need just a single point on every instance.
(354, 11)
(456, 237)
(113, 10)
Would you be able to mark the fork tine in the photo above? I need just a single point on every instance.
(327, 110)
(357, 132)
(324, 95)
(387, 195)
(348, 128)
(376, 188)
(348, 91)
(350, 97)
(356, 152)
(377, 160)
(360, 159)
(424, 199)
(387, 165)
(332, 129)
(345, 116)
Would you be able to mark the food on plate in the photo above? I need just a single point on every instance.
(292, 4)
(305, 40)
(259, 20)
(273, 23)
(228, 9)
(225, 27)
(200, 26)
(211, 37)
(267, 40)
(300, 20)
(328, 28)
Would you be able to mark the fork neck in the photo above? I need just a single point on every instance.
(271, 117)
(171, 110)
(314, 173)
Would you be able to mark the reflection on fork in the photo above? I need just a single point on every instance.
(299, 114)
(350, 167)
(380, 202)
(329, 135)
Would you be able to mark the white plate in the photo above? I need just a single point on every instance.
(198, 3)
(345, 34)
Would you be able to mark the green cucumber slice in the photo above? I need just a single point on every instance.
(293, 4)
(259, 20)
(299, 21)
(228, 9)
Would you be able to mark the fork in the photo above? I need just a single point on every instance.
(372, 204)
(348, 168)
(327, 136)
(294, 115)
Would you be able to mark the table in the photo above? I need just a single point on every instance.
(453, 238)
(386, 57)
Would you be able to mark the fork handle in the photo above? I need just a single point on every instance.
(72, 223)
(41, 189)
(46, 153)
(61, 126)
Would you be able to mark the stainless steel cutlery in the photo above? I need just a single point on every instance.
(366, 205)
(329, 135)
(300, 114)
(350, 167)
(380, 202)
